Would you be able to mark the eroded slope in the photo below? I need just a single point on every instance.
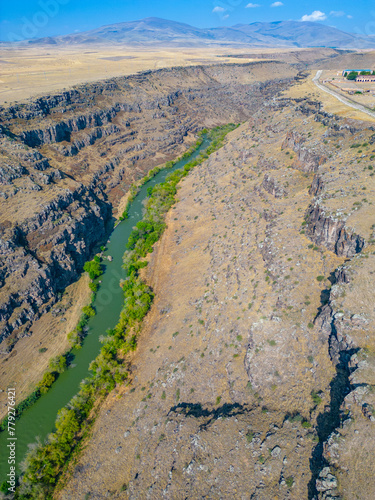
(253, 376)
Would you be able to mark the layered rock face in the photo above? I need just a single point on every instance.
(254, 372)
(331, 232)
(67, 159)
(45, 253)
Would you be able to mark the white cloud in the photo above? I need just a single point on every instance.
(277, 4)
(317, 15)
(337, 13)
(349, 16)
(218, 9)
(226, 16)
(252, 6)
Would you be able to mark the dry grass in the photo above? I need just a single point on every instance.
(29, 72)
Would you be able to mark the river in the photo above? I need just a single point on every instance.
(38, 420)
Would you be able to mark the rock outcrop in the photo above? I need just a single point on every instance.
(352, 401)
(324, 229)
(308, 158)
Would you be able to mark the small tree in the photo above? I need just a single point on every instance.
(46, 382)
(352, 75)
(58, 364)
(93, 268)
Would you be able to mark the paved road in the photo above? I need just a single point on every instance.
(342, 99)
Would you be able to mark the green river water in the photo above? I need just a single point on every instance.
(39, 419)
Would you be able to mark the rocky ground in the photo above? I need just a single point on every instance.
(68, 159)
(254, 375)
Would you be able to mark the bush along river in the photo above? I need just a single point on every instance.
(48, 433)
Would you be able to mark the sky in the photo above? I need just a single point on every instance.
(22, 19)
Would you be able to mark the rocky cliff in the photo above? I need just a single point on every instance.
(331, 232)
(346, 442)
(67, 159)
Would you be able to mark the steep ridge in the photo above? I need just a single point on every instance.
(67, 160)
(253, 375)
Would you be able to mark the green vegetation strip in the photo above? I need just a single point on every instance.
(46, 462)
(134, 188)
(60, 363)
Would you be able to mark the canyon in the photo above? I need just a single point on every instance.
(253, 374)
(68, 160)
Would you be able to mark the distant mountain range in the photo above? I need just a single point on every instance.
(161, 32)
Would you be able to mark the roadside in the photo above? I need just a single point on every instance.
(342, 99)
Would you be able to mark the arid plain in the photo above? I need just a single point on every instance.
(32, 71)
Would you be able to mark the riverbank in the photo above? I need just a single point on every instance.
(119, 373)
(74, 331)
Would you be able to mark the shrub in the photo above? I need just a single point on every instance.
(93, 287)
(352, 75)
(249, 436)
(289, 481)
(316, 398)
(296, 417)
(93, 268)
(21, 407)
(320, 278)
(46, 382)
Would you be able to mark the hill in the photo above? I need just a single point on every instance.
(164, 32)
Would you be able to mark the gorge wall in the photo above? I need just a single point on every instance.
(67, 159)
